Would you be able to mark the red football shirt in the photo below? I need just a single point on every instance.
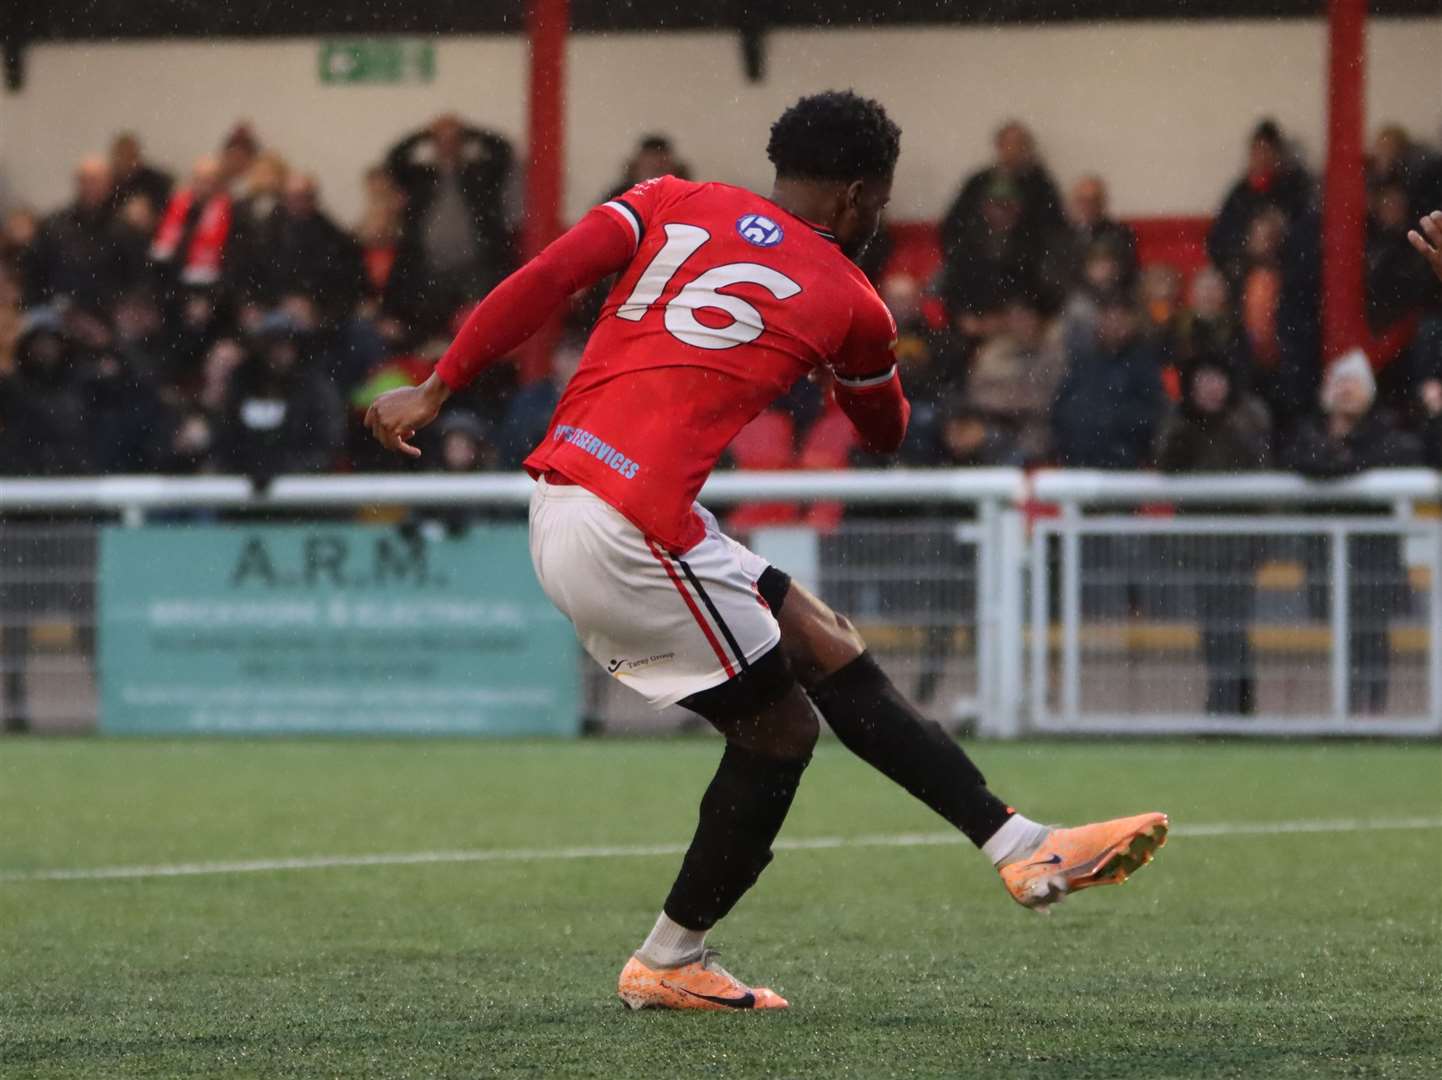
(725, 302)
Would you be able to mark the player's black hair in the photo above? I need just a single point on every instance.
(837, 135)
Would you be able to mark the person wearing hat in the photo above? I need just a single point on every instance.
(1351, 435)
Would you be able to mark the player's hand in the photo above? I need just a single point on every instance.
(396, 416)
(1429, 240)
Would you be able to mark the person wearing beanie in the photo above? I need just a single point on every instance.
(1350, 435)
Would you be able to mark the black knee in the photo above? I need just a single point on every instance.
(750, 692)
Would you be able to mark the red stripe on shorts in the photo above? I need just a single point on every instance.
(695, 611)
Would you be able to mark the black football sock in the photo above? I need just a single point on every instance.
(878, 725)
(741, 813)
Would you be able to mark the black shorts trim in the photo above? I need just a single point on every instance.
(715, 615)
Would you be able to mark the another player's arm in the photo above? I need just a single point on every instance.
(868, 385)
(1427, 238)
(596, 246)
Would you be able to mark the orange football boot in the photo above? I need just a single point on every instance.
(1071, 859)
(701, 984)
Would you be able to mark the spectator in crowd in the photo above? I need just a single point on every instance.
(1089, 225)
(379, 230)
(128, 423)
(931, 367)
(1218, 427)
(1259, 290)
(1014, 379)
(1396, 158)
(309, 255)
(42, 409)
(139, 328)
(1398, 283)
(994, 235)
(456, 239)
(654, 156)
(1274, 180)
(239, 151)
(1110, 402)
(133, 175)
(281, 415)
(1101, 276)
(991, 256)
(17, 240)
(254, 224)
(190, 243)
(528, 415)
(1207, 326)
(1039, 210)
(465, 444)
(1278, 297)
(971, 438)
(81, 253)
(1159, 287)
(1351, 435)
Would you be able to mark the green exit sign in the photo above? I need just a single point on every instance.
(377, 60)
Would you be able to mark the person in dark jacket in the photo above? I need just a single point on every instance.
(994, 234)
(281, 415)
(1350, 436)
(1089, 224)
(1219, 428)
(82, 252)
(1397, 282)
(43, 428)
(1018, 164)
(456, 238)
(1273, 179)
(134, 175)
(311, 255)
(43, 433)
(1110, 401)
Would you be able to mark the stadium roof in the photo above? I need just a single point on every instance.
(23, 22)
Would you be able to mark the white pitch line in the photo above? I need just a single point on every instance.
(817, 843)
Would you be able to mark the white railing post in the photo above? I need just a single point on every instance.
(987, 621)
(1040, 625)
(1010, 566)
(1071, 588)
(1341, 675)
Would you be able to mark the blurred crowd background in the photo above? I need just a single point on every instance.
(222, 320)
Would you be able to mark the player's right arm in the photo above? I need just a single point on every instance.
(868, 385)
(601, 243)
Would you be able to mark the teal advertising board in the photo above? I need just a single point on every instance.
(279, 629)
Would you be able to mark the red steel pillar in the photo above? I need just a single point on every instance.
(548, 24)
(1344, 209)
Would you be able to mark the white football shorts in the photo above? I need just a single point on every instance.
(667, 626)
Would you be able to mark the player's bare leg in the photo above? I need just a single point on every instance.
(770, 731)
(1038, 865)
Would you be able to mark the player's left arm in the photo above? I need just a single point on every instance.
(596, 246)
(1427, 238)
(868, 384)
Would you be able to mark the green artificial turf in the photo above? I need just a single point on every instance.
(1296, 954)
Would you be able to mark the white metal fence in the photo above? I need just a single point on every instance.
(1065, 602)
